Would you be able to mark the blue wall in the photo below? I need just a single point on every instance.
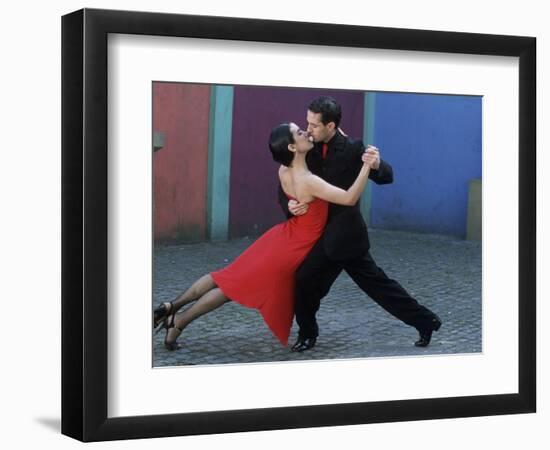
(433, 143)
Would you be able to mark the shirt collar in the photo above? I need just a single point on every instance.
(336, 142)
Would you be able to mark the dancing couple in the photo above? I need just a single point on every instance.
(291, 267)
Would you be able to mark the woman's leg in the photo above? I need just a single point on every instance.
(196, 291)
(210, 301)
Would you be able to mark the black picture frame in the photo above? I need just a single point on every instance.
(84, 224)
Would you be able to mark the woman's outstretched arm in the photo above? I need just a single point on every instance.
(321, 189)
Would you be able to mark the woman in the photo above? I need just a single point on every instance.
(262, 277)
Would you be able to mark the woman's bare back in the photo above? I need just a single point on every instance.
(294, 183)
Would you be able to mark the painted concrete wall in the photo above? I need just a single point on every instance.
(214, 178)
(433, 143)
(253, 197)
(219, 162)
(181, 113)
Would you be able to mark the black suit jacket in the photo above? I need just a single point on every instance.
(346, 233)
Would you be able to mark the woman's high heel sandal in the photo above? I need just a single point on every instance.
(169, 324)
(160, 313)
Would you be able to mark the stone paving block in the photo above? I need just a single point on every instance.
(441, 272)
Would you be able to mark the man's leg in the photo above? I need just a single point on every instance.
(314, 278)
(391, 296)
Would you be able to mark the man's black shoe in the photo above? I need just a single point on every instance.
(303, 344)
(426, 335)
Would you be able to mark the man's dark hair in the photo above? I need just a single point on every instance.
(279, 140)
(329, 109)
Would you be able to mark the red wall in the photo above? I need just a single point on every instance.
(181, 112)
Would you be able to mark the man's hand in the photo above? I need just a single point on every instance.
(296, 208)
(372, 157)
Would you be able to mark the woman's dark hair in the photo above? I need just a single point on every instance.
(279, 140)
(329, 109)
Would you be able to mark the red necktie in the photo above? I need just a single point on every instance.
(325, 149)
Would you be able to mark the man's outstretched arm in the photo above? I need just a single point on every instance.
(382, 175)
(381, 171)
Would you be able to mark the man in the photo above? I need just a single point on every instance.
(345, 242)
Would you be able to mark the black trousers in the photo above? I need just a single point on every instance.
(318, 272)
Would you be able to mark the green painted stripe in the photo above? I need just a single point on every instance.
(368, 138)
(219, 162)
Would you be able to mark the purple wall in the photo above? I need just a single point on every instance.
(253, 198)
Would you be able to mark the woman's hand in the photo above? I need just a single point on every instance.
(371, 157)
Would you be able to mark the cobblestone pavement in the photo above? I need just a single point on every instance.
(441, 272)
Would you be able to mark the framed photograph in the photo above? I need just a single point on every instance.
(168, 176)
(215, 184)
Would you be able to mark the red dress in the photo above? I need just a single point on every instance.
(262, 277)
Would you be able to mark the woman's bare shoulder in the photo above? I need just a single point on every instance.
(311, 178)
(284, 178)
(306, 186)
(283, 173)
